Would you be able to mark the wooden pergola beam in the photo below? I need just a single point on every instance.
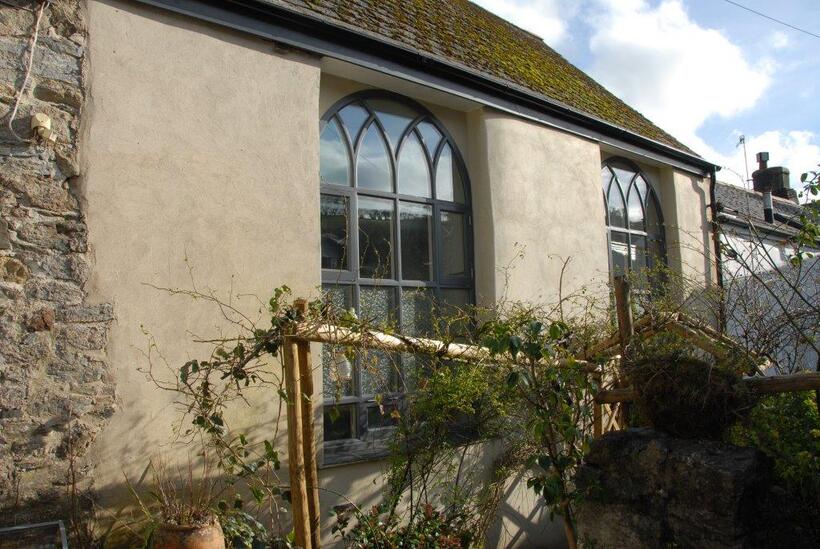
(791, 383)
(337, 335)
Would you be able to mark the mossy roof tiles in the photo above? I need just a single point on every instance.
(462, 33)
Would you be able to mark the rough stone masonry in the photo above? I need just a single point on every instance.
(56, 389)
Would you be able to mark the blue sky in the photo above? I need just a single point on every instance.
(704, 70)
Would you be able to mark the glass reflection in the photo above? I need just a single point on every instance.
(375, 237)
(414, 177)
(373, 162)
(334, 160)
(416, 241)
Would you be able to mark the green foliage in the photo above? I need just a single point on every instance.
(688, 397)
(809, 234)
(429, 528)
(241, 529)
(787, 429)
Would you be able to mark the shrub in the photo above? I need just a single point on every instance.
(687, 397)
(787, 429)
(380, 529)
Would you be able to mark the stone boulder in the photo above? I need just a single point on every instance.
(647, 490)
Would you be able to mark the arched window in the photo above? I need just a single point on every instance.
(633, 218)
(395, 229)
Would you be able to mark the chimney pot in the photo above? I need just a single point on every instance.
(763, 160)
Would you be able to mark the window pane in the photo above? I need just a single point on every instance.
(453, 250)
(638, 259)
(624, 176)
(334, 160)
(655, 253)
(448, 181)
(454, 305)
(339, 422)
(620, 252)
(373, 162)
(417, 312)
(334, 217)
(378, 418)
(375, 237)
(377, 305)
(337, 369)
(640, 184)
(378, 370)
(353, 117)
(635, 211)
(415, 368)
(394, 116)
(615, 203)
(606, 178)
(414, 177)
(431, 137)
(416, 241)
(379, 373)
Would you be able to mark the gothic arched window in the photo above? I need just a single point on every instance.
(633, 218)
(396, 238)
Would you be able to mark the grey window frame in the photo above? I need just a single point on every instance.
(628, 231)
(371, 443)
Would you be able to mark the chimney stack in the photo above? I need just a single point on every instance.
(773, 180)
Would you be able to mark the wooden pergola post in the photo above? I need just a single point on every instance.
(626, 332)
(308, 433)
(296, 448)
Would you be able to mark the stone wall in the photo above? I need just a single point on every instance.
(650, 490)
(56, 391)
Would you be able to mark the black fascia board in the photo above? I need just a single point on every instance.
(318, 36)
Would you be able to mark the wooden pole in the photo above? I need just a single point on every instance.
(598, 410)
(623, 307)
(338, 335)
(296, 449)
(626, 331)
(791, 383)
(308, 433)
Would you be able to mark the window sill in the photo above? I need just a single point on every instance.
(348, 452)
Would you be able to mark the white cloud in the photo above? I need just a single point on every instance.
(545, 18)
(779, 40)
(673, 70)
(797, 150)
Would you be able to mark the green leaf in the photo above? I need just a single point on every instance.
(512, 379)
(514, 345)
(558, 330)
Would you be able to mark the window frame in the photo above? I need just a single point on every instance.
(627, 231)
(367, 442)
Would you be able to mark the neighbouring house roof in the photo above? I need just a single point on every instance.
(744, 206)
(464, 34)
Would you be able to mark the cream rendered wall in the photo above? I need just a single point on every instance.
(688, 228)
(538, 190)
(199, 144)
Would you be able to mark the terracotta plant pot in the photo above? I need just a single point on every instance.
(171, 536)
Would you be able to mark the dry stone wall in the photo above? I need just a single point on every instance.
(56, 389)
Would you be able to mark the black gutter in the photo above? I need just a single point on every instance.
(318, 36)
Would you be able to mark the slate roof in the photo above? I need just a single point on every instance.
(748, 205)
(464, 34)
